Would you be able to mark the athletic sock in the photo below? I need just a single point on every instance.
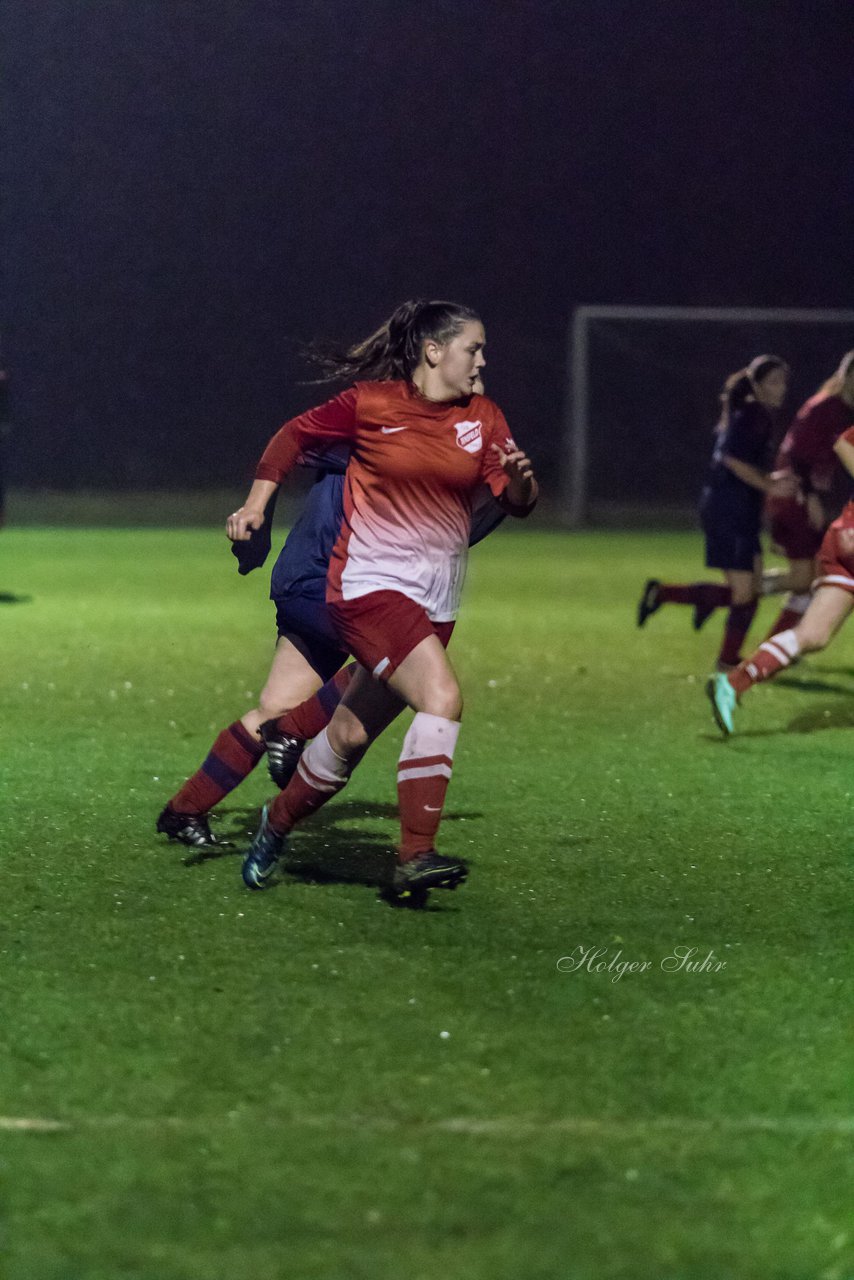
(423, 774)
(737, 626)
(793, 610)
(771, 656)
(307, 720)
(320, 775)
(232, 758)
(713, 595)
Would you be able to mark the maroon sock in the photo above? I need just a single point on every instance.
(313, 715)
(786, 619)
(708, 595)
(232, 758)
(737, 626)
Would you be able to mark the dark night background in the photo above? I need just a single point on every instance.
(191, 186)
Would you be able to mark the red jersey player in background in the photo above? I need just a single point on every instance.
(798, 523)
(422, 441)
(831, 603)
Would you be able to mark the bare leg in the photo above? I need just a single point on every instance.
(290, 682)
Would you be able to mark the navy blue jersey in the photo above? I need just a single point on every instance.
(303, 561)
(747, 436)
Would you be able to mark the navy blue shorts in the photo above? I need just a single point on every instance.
(307, 625)
(731, 528)
(731, 548)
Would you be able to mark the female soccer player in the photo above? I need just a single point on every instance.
(731, 505)
(308, 653)
(798, 523)
(307, 657)
(422, 440)
(831, 603)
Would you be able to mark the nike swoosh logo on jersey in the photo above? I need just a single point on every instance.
(390, 431)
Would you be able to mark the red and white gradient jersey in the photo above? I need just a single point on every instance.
(836, 556)
(807, 447)
(415, 465)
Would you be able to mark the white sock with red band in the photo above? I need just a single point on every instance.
(320, 775)
(423, 773)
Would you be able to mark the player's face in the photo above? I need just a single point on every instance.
(460, 361)
(771, 391)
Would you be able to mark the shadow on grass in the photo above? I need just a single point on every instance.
(817, 720)
(800, 685)
(321, 853)
(833, 671)
(9, 597)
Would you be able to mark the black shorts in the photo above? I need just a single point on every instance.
(307, 625)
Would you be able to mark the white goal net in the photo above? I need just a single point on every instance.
(642, 396)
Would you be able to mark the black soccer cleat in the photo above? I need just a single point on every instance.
(428, 871)
(650, 600)
(702, 613)
(283, 753)
(190, 828)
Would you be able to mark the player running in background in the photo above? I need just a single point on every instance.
(731, 506)
(308, 676)
(798, 523)
(307, 657)
(422, 441)
(831, 603)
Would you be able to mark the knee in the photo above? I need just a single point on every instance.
(444, 700)
(271, 707)
(348, 738)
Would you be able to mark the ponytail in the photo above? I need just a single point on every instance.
(393, 350)
(837, 380)
(740, 387)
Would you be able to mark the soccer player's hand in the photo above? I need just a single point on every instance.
(815, 512)
(846, 542)
(240, 523)
(522, 487)
(783, 484)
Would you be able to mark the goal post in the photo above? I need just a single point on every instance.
(757, 324)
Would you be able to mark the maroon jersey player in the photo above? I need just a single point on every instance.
(831, 604)
(798, 522)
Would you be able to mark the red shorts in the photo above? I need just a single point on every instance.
(836, 557)
(382, 628)
(791, 530)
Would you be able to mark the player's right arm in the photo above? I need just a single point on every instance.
(316, 429)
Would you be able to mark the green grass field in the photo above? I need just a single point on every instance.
(199, 1083)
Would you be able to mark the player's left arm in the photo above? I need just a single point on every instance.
(508, 471)
(844, 450)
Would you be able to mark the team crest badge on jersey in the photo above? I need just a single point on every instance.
(469, 436)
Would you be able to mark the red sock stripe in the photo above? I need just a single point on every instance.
(423, 762)
(313, 780)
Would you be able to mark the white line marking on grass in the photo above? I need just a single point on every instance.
(34, 1124)
(498, 1127)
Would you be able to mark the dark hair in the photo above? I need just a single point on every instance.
(837, 380)
(740, 387)
(394, 349)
